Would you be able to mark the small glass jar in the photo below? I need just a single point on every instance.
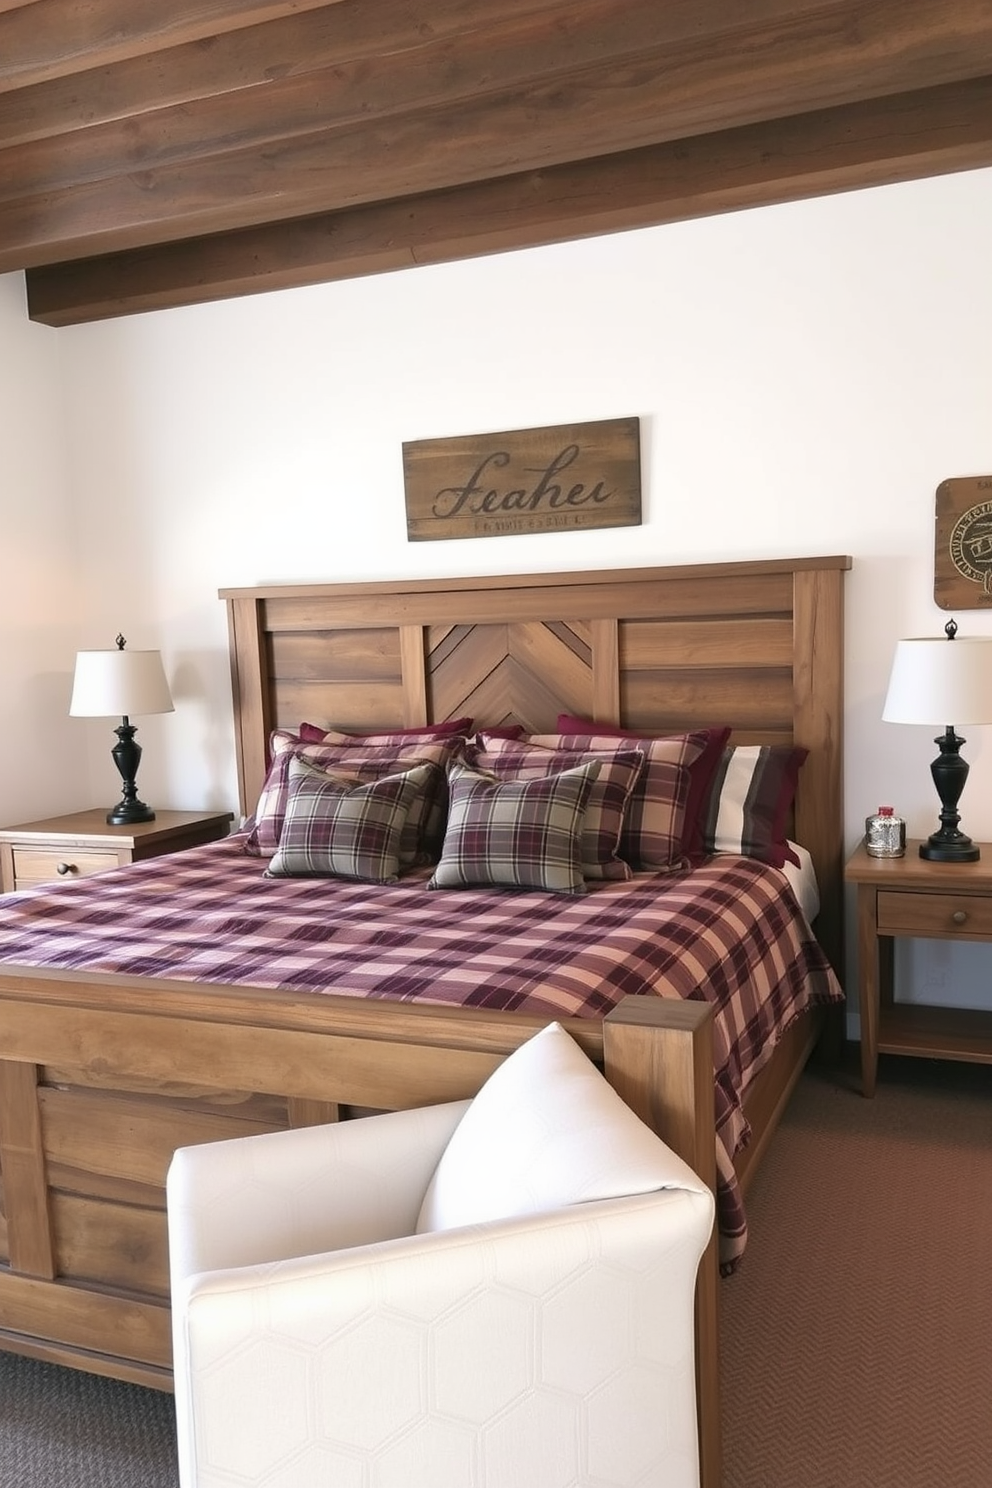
(885, 834)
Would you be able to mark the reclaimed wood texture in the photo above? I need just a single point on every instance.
(552, 479)
(154, 158)
(108, 1074)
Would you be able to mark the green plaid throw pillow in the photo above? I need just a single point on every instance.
(341, 828)
(524, 834)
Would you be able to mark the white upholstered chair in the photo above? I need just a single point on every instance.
(495, 1293)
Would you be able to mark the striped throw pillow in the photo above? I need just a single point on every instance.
(751, 800)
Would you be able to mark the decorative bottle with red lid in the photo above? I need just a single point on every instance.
(885, 834)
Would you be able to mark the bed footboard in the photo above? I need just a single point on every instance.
(98, 1087)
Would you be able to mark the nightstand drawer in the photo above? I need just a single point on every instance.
(34, 865)
(939, 915)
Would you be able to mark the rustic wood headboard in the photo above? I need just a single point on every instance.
(757, 645)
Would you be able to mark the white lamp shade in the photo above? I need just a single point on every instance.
(941, 681)
(119, 684)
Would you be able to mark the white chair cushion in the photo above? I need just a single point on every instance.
(546, 1129)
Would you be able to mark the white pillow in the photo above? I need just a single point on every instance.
(546, 1129)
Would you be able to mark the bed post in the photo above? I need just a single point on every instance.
(658, 1055)
(250, 685)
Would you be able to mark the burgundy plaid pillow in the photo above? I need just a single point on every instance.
(701, 769)
(750, 802)
(655, 818)
(606, 807)
(336, 828)
(523, 834)
(312, 733)
(362, 762)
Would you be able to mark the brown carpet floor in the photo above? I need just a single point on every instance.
(856, 1337)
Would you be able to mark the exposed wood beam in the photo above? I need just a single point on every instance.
(920, 133)
(52, 38)
(255, 56)
(347, 67)
(506, 99)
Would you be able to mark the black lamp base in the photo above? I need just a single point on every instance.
(125, 813)
(949, 848)
(949, 771)
(126, 755)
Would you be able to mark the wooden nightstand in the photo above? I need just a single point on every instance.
(915, 898)
(73, 846)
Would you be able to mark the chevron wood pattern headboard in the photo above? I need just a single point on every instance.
(757, 645)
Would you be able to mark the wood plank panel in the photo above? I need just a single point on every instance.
(110, 1134)
(249, 670)
(414, 669)
(116, 1327)
(361, 655)
(123, 1246)
(333, 69)
(605, 638)
(819, 711)
(253, 56)
(759, 641)
(258, 55)
(53, 38)
(351, 705)
(29, 1231)
(628, 595)
(208, 1098)
(452, 680)
(4, 1240)
(747, 698)
(352, 1070)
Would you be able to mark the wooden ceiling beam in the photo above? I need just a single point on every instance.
(338, 69)
(54, 38)
(920, 133)
(507, 100)
(255, 56)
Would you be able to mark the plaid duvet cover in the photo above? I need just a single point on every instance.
(728, 932)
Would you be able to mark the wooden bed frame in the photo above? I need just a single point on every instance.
(102, 1077)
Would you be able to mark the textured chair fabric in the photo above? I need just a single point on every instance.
(321, 1342)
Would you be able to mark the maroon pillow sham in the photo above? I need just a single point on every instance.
(312, 733)
(701, 770)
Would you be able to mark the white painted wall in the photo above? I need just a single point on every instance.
(805, 377)
(44, 756)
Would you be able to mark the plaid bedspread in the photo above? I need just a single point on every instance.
(728, 932)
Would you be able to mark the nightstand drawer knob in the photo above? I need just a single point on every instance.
(959, 916)
(64, 868)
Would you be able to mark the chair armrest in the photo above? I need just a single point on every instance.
(311, 1189)
(515, 1340)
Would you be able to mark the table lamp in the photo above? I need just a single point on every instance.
(109, 684)
(933, 680)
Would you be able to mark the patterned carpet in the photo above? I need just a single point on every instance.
(857, 1335)
(60, 1428)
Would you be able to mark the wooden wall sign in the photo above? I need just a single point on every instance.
(562, 479)
(962, 568)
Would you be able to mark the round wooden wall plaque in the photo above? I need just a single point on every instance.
(962, 565)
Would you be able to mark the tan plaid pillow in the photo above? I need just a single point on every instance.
(523, 834)
(339, 828)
